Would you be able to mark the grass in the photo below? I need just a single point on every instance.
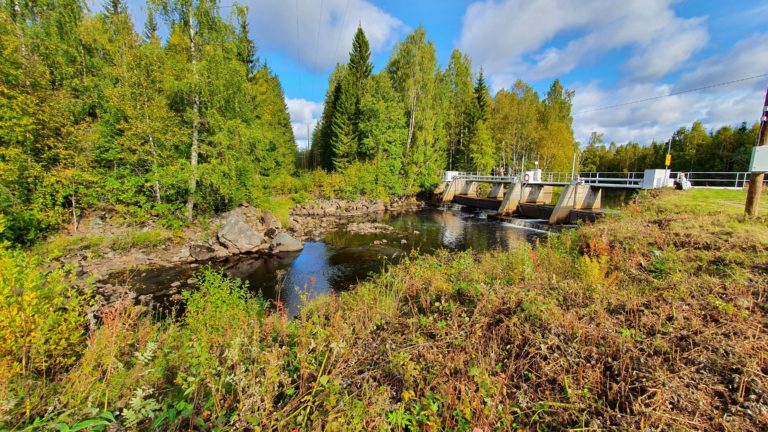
(64, 244)
(61, 244)
(730, 201)
(149, 238)
(652, 319)
(280, 206)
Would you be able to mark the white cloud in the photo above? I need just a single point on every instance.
(510, 38)
(304, 113)
(747, 58)
(319, 34)
(657, 119)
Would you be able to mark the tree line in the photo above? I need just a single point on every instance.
(399, 129)
(726, 149)
(95, 114)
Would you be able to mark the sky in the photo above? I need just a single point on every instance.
(612, 53)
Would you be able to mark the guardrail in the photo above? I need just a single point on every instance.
(486, 178)
(731, 180)
(616, 179)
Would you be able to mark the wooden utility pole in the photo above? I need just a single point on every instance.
(309, 146)
(756, 179)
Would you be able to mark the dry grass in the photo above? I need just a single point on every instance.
(655, 319)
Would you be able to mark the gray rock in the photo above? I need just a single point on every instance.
(270, 221)
(183, 255)
(403, 241)
(237, 236)
(283, 242)
(201, 251)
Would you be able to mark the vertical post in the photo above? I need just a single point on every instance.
(573, 164)
(306, 151)
(756, 179)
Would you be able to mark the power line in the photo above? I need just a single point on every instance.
(317, 39)
(720, 84)
(298, 46)
(341, 30)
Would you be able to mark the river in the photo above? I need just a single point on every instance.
(342, 258)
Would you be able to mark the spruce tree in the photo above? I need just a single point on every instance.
(360, 67)
(482, 98)
(344, 125)
(246, 49)
(150, 26)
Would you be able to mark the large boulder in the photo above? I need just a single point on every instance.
(283, 242)
(238, 236)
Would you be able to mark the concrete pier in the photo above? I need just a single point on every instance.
(527, 199)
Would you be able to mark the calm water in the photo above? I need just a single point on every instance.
(343, 258)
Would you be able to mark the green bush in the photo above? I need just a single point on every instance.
(43, 324)
(42, 315)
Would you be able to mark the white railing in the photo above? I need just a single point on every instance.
(615, 179)
(556, 177)
(732, 180)
(482, 177)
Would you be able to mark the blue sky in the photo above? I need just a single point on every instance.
(608, 51)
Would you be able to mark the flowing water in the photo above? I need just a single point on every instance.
(342, 258)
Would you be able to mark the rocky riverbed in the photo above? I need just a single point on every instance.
(243, 230)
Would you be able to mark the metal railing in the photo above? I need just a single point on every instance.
(731, 180)
(614, 179)
(482, 177)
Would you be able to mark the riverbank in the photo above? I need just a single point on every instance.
(655, 318)
(104, 245)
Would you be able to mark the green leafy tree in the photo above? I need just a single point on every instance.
(419, 85)
(458, 79)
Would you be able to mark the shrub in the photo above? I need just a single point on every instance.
(42, 320)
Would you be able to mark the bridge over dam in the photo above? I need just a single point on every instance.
(531, 194)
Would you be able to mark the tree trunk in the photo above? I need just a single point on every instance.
(154, 155)
(195, 126)
(74, 202)
(411, 123)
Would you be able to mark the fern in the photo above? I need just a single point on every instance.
(148, 354)
(140, 407)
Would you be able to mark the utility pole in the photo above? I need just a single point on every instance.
(756, 179)
(306, 152)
